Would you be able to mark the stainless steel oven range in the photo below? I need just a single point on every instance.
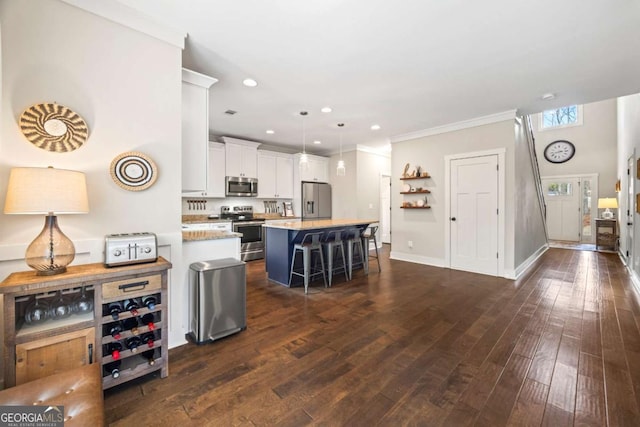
(242, 220)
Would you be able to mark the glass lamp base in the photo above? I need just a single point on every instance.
(607, 214)
(50, 252)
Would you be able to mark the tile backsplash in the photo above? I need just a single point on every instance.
(203, 206)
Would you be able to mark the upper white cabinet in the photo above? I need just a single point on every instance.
(195, 130)
(275, 175)
(318, 170)
(241, 157)
(215, 187)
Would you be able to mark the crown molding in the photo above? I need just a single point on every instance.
(131, 18)
(465, 124)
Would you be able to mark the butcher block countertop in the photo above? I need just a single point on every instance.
(195, 235)
(321, 223)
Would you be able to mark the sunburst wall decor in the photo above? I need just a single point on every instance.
(53, 127)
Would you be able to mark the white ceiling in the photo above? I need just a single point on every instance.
(406, 65)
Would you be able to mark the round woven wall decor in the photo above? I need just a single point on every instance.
(53, 127)
(134, 171)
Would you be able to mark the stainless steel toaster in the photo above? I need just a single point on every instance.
(130, 248)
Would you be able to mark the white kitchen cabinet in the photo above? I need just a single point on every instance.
(275, 175)
(241, 157)
(217, 165)
(318, 170)
(215, 173)
(195, 130)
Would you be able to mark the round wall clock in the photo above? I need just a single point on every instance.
(559, 151)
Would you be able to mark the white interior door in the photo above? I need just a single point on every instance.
(562, 197)
(385, 209)
(630, 209)
(474, 214)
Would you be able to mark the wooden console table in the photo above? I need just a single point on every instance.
(607, 234)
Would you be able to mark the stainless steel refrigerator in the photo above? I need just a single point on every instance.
(316, 200)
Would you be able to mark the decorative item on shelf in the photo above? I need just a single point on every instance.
(405, 173)
(47, 191)
(133, 171)
(421, 203)
(413, 173)
(607, 203)
(424, 174)
(341, 170)
(53, 127)
(413, 189)
(406, 188)
(304, 158)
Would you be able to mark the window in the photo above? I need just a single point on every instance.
(561, 117)
(560, 189)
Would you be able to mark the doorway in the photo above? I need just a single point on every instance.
(474, 185)
(571, 207)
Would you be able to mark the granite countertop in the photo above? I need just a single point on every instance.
(195, 235)
(322, 223)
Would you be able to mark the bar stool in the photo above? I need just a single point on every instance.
(368, 234)
(310, 242)
(332, 243)
(354, 245)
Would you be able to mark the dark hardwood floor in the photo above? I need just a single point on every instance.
(413, 345)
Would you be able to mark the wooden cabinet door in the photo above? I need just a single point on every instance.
(51, 355)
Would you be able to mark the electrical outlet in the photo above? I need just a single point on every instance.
(410, 243)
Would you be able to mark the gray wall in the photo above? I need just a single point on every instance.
(529, 233)
(629, 146)
(595, 143)
(426, 228)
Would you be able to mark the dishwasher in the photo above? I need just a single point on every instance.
(218, 299)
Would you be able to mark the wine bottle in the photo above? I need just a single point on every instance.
(148, 319)
(113, 329)
(114, 349)
(148, 339)
(131, 324)
(149, 356)
(114, 309)
(132, 306)
(149, 301)
(133, 343)
(113, 368)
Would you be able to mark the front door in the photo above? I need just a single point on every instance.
(474, 214)
(562, 197)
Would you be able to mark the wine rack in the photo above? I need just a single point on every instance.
(81, 328)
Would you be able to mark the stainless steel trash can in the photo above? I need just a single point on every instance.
(217, 299)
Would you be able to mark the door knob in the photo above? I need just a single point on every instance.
(629, 223)
(453, 218)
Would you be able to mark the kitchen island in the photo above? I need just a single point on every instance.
(281, 236)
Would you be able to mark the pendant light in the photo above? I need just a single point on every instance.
(341, 170)
(304, 158)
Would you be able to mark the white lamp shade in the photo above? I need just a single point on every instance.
(45, 190)
(608, 203)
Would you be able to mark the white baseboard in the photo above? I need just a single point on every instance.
(526, 264)
(418, 259)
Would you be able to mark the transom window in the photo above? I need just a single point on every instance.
(560, 189)
(561, 117)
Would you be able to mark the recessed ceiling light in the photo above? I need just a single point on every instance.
(250, 83)
(326, 109)
(317, 142)
(548, 96)
(270, 131)
(375, 127)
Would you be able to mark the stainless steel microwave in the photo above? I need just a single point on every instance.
(241, 187)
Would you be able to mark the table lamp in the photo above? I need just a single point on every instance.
(607, 203)
(47, 191)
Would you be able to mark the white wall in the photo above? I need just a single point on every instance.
(109, 74)
(426, 228)
(595, 143)
(344, 189)
(370, 167)
(628, 126)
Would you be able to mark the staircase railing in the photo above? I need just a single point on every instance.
(531, 142)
